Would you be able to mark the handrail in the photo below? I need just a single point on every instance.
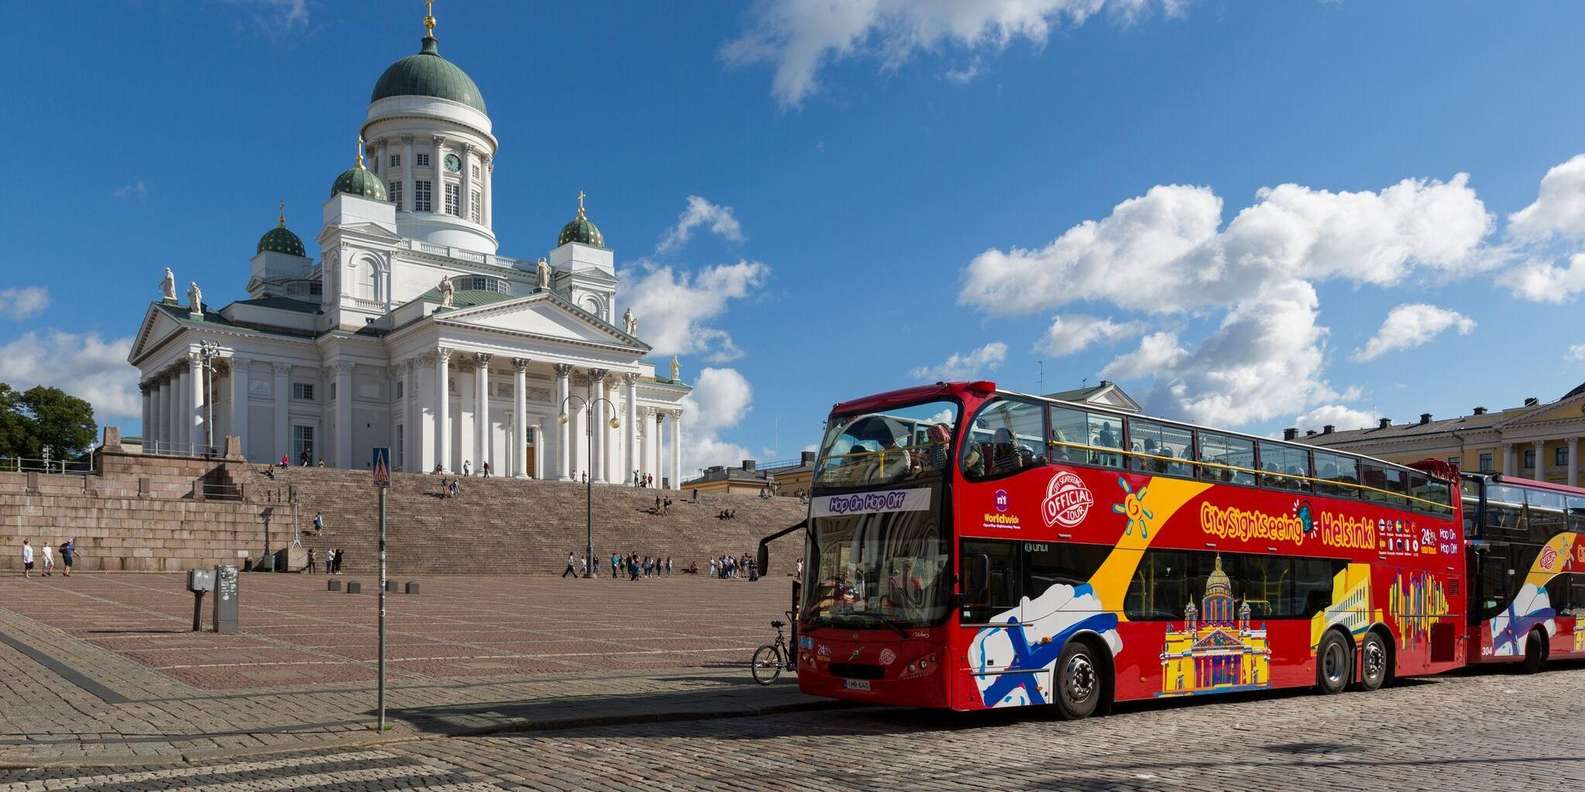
(21, 464)
(1448, 507)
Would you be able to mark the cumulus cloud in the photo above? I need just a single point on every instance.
(798, 38)
(275, 16)
(133, 191)
(721, 399)
(964, 366)
(82, 364)
(1412, 325)
(1074, 332)
(674, 305)
(1157, 352)
(1335, 415)
(1542, 281)
(23, 302)
(1559, 208)
(699, 212)
(1576, 352)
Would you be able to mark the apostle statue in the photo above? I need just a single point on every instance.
(676, 369)
(168, 287)
(195, 298)
(542, 269)
(446, 291)
(630, 322)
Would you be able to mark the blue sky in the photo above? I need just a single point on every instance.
(877, 188)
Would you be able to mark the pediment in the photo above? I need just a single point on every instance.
(156, 327)
(1568, 408)
(543, 316)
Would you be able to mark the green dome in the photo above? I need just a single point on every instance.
(428, 74)
(280, 239)
(581, 229)
(357, 180)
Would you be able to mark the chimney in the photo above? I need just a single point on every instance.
(1480, 410)
(1290, 433)
(1425, 418)
(1531, 401)
(806, 458)
(748, 464)
(1105, 383)
(1384, 423)
(1327, 429)
(1309, 433)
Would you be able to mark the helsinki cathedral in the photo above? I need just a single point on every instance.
(411, 331)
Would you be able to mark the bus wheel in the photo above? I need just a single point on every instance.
(1534, 653)
(1334, 663)
(1078, 681)
(1374, 661)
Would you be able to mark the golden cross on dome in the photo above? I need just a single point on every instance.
(282, 219)
(429, 17)
(581, 195)
(360, 151)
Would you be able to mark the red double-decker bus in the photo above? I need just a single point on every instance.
(973, 548)
(1526, 569)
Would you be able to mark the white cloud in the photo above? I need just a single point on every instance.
(800, 37)
(1074, 332)
(1335, 415)
(701, 212)
(673, 305)
(83, 365)
(1412, 325)
(1162, 252)
(279, 16)
(1576, 352)
(721, 399)
(1559, 208)
(1543, 281)
(1157, 352)
(135, 191)
(22, 302)
(964, 366)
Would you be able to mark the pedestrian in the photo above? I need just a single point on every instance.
(466, 471)
(49, 558)
(798, 569)
(583, 566)
(330, 560)
(310, 560)
(569, 570)
(712, 568)
(321, 461)
(319, 522)
(68, 551)
(668, 566)
(616, 562)
(27, 559)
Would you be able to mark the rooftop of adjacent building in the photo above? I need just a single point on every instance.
(1427, 424)
(751, 472)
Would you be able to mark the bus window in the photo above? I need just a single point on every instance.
(1049, 564)
(1576, 595)
(1546, 515)
(1284, 467)
(1505, 517)
(1004, 590)
(1079, 436)
(1231, 459)
(1383, 484)
(1158, 448)
(1439, 494)
(1576, 519)
(1335, 473)
(1312, 583)
(1160, 589)
(1004, 439)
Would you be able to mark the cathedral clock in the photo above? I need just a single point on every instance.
(452, 163)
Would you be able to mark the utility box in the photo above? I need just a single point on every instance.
(200, 580)
(227, 600)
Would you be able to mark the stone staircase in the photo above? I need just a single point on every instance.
(502, 525)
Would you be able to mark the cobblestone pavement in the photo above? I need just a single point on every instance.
(1486, 731)
(105, 668)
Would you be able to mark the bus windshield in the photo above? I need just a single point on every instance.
(877, 570)
(886, 447)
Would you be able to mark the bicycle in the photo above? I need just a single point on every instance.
(772, 658)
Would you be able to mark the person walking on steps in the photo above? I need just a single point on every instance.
(49, 558)
(571, 559)
(68, 552)
(27, 559)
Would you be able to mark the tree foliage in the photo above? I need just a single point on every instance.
(42, 416)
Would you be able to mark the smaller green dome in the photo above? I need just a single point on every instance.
(280, 239)
(358, 180)
(581, 229)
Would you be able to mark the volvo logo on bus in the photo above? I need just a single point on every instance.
(1067, 500)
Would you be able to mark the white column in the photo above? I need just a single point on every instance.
(564, 433)
(520, 419)
(1540, 460)
(344, 415)
(658, 427)
(145, 390)
(171, 403)
(1573, 461)
(676, 450)
(283, 401)
(646, 437)
(539, 451)
(489, 169)
(630, 379)
(466, 177)
(162, 419)
(408, 190)
(442, 410)
(598, 434)
(481, 411)
(437, 193)
(412, 435)
(195, 404)
(239, 401)
(1510, 466)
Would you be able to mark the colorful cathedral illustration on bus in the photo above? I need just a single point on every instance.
(1216, 651)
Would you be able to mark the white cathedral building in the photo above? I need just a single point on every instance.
(411, 332)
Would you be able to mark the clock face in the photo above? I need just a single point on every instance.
(452, 163)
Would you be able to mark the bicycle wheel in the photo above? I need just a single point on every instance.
(767, 664)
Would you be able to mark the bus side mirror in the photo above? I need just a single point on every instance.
(977, 578)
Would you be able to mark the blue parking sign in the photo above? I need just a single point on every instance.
(382, 467)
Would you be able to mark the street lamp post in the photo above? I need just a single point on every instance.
(209, 350)
(588, 481)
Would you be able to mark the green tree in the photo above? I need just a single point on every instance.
(16, 426)
(56, 419)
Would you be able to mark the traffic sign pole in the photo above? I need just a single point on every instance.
(381, 466)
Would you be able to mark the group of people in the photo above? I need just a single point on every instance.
(726, 514)
(726, 567)
(68, 552)
(642, 479)
(662, 505)
(631, 564)
(303, 460)
(333, 558)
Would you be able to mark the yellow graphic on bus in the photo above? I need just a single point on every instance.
(1163, 497)
(1350, 606)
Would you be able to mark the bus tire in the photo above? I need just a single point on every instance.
(1334, 662)
(1078, 681)
(1534, 652)
(1375, 661)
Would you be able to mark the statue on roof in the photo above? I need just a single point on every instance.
(168, 287)
(447, 291)
(542, 270)
(195, 298)
(676, 369)
(630, 322)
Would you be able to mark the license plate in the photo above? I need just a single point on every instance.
(856, 684)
